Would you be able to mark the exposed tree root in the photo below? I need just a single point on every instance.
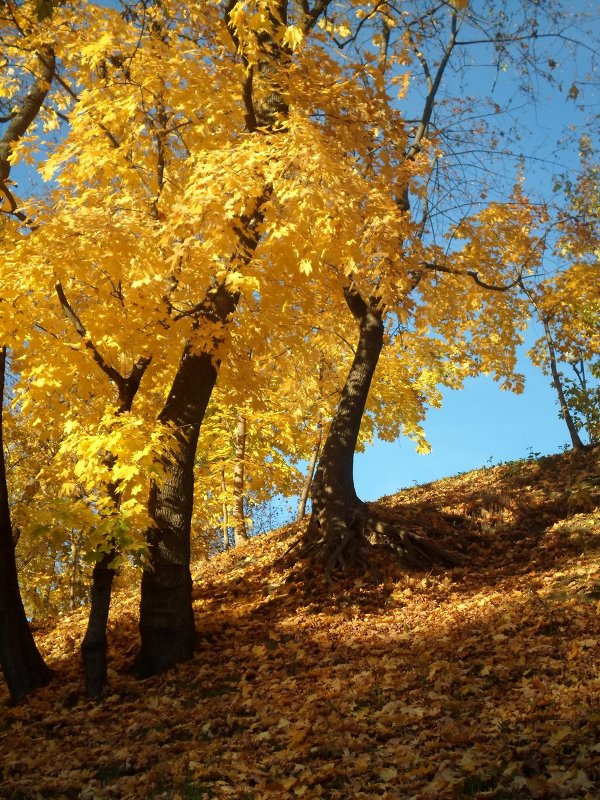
(339, 539)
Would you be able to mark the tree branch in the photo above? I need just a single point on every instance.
(415, 145)
(311, 15)
(70, 314)
(127, 387)
(474, 275)
(21, 119)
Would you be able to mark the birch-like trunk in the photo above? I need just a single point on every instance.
(557, 383)
(225, 511)
(240, 531)
(308, 479)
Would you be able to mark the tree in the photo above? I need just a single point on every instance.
(565, 300)
(23, 667)
(501, 251)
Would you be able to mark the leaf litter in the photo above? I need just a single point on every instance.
(476, 682)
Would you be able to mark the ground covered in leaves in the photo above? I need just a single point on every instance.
(476, 682)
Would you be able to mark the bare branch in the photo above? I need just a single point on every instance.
(474, 275)
(423, 126)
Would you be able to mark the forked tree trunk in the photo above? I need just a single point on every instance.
(94, 647)
(167, 628)
(340, 522)
(23, 667)
(240, 532)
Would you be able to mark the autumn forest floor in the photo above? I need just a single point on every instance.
(477, 682)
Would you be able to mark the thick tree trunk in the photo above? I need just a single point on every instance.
(166, 617)
(240, 532)
(23, 667)
(166, 614)
(341, 523)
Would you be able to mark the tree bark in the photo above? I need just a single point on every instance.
(240, 532)
(23, 667)
(341, 524)
(94, 647)
(95, 644)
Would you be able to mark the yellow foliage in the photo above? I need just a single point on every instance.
(158, 190)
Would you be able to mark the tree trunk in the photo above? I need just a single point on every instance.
(225, 524)
(94, 645)
(74, 574)
(336, 508)
(309, 476)
(557, 383)
(240, 532)
(341, 523)
(166, 616)
(23, 666)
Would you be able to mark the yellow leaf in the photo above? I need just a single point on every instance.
(293, 37)
(387, 773)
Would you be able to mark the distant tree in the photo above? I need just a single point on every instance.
(566, 301)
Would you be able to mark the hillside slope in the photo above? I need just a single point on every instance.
(476, 682)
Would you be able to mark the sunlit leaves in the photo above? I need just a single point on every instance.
(160, 188)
